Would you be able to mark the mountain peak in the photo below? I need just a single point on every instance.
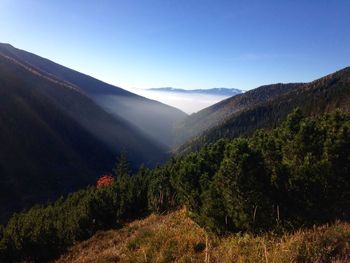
(6, 45)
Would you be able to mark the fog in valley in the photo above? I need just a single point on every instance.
(187, 102)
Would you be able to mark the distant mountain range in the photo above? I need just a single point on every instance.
(61, 129)
(213, 91)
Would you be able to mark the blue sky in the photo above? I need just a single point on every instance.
(185, 43)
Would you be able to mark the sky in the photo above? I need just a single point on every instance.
(187, 44)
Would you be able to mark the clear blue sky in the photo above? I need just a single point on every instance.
(185, 43)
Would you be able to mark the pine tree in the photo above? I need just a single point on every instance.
(121, 167)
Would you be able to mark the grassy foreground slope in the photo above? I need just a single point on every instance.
(176, 238)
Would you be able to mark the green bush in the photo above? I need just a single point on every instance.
(297, 174)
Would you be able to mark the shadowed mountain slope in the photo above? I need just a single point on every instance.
(54, 139)
(152, 117)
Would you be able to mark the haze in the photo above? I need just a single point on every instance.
(188, 102)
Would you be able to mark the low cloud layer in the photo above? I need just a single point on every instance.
(187, 102)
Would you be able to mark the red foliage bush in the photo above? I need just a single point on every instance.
(105, 180)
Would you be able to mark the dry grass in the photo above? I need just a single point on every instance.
(176, 238)
(321, 244)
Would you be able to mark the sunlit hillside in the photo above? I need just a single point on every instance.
(174, 237)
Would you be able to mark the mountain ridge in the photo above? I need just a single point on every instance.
(212, 91)
(213, 115)
(152, 117)
(318, 96)
(55, 139)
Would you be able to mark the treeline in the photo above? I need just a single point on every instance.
(297, 174)
(314, 98)
(44, 232)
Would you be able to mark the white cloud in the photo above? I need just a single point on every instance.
(187, 102)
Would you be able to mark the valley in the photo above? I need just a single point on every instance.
(195, 183)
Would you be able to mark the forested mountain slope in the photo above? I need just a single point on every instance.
(262, 188)
(216, 114)
(319, 96)
(54, 139)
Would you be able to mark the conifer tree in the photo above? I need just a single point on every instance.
(121, 167)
